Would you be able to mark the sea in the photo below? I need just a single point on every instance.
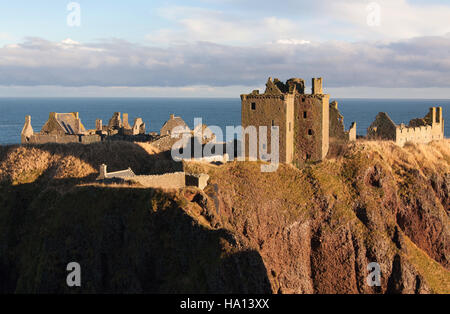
(220, 112)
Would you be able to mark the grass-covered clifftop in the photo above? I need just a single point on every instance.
(292, 231)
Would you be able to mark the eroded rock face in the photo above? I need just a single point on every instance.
(310, 230)
(367, 209)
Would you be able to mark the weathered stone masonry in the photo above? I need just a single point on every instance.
(421, 130)
(172, 180)
(66, 128)
(304, 120)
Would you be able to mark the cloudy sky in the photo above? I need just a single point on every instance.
(223, 48)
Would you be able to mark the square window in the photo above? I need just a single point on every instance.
(310, 132)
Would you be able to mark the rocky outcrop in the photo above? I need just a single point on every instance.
(310, 230)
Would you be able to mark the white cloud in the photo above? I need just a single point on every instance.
(199, 24)
(419, 62)
(399, 19)
(293, 42)
(249, 22)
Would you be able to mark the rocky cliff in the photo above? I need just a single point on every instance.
(310, 230)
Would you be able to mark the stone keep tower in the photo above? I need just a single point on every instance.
(303, 119)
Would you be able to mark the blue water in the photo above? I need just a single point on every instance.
(214, 111)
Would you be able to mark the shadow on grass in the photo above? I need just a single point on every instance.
(126, 241)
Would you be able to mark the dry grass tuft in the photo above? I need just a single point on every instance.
(26, 163)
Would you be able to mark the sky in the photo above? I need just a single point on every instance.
(223, 48)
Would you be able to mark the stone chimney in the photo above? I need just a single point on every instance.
(317, 87)
(125, 121)
(27, 130)
(439, 114)
(99, 125)
(433, 115)
(103, 172)
(76, 114)
(172, 116)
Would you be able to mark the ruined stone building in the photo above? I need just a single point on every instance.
(306, 122)
(59, 128)
(67, 128)
(119, 126)
(421, 130)
(174, 127)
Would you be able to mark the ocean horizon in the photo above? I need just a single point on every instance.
(220, 112)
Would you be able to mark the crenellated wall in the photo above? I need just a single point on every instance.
(420, 130)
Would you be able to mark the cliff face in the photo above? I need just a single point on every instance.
(313, 230)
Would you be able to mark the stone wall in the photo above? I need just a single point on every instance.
(173, 180)
(49, 138)
(337, 128)
(383, 128)
(303, 119)
(63, 139)
(197, 180)
(422, 134)
(422, 130)
(311, 127)
(352, 132)
(267, 110)
(88, 139)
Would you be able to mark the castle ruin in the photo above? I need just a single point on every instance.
(306, 122)
(421, 130)
(66, 128)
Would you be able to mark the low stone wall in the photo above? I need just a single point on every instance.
(43, 138)
(210, 159)
(173, 180)
(64, 139)
(197, 180)
(88, 139)
(352, 132)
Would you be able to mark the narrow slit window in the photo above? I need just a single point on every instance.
(253, 106)
(273, 122)
(305, 114)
